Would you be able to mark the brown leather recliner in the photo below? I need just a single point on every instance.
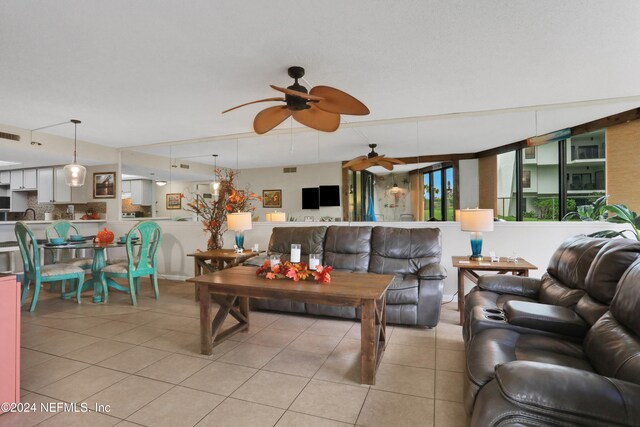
(556, 382)
(411, 254)
(599, 286)
(562, 284)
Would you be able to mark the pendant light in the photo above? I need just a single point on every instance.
(74, 174)
(159, 182)
(215, 184)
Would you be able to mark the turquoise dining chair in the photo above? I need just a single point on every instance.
(62, 228)
(36, 273)
(137, 266)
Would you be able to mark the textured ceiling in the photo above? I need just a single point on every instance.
(147, 72)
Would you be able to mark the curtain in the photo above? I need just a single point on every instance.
(417, 195)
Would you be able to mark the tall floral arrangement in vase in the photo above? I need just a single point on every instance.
(213, 211)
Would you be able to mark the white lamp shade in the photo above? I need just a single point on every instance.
(239, 221)
(476, 219)
(74, 174)
(276, 216)
(161, 183)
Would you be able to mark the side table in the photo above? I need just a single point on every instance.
(217, 259)
(467, 268)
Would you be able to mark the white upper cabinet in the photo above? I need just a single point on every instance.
(45, 185)
(141, 192)
(61, 190)
(26, 179)
(16, 180)
(5, 177)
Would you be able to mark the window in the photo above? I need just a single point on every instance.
(438, 194)
(529, 181)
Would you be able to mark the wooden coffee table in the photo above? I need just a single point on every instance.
(217, 259)
(232, 288)
(467, 268)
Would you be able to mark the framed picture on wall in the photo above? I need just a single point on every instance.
(174, 201)
(271, 198)
(104, 185)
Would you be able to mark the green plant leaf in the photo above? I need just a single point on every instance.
(609, 234)
(571, 216)
(623, 214)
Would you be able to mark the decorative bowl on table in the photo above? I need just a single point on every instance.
(76, 238)
(56, 240)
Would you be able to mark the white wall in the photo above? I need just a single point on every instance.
(534, 241)
(291, 185)
(469, 184)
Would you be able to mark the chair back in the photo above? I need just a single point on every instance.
(28, 248)
(150, 237)
(60, 229)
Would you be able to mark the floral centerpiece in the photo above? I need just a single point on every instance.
(213, 211)
(295, 271)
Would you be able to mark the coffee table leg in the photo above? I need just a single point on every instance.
(206, 321)
(368, 343)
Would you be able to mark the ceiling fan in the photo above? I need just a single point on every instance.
(319, 108)
(372, 159)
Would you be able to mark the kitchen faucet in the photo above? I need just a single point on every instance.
(24, 216)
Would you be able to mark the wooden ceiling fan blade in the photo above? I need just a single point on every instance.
(318, 119)
(296, 93)
(254, 102)
(354, 161)
(395, 161)
(388, 166)
(375, 159)
(361, 166)
(336, 101)
(269, 118)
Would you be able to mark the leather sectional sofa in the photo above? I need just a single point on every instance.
(412, 255)
(545, 364)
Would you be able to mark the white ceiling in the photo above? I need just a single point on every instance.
(148, 72)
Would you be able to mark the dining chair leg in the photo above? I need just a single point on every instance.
(36, 293)
(105, 288)
(137, 282)
(154, 280)
(63, 286)
(79, 289)
(132, 291)
(25, 289)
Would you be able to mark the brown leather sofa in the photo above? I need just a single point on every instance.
(570, 298)
(411, 254)
(535, 380)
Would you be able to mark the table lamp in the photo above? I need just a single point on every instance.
(276, 216)
(239, 222)
(476, 221)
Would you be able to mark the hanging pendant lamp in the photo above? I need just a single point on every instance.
(74, 174)
(215, 184)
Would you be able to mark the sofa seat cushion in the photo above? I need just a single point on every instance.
(492, 347)
(403, 290)
(59, 269)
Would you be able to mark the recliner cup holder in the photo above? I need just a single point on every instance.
(496, 317)
(493, 310)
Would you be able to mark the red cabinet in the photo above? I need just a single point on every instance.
(9, 340)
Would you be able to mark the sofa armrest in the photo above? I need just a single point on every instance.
(515, 285)
(544, 317)
(432, 271)
(569, 394)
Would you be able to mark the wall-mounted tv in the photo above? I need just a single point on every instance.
(311, 198)
(329, 195)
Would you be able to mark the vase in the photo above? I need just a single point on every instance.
(215, 241)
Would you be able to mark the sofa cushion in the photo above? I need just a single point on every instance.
(348, 248)
(570, 263)
(403, 290)
(554, 292)
(403, 250)
(311, 240)
(608, 267)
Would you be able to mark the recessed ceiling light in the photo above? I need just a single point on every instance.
(5, 163)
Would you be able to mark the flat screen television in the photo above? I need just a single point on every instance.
(329, 195)
(311, 198)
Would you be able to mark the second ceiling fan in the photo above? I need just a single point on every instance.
(319, 108)
(372, 159)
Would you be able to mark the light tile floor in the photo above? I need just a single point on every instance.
(287, 370)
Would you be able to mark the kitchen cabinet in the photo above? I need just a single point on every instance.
(126, 187)
(45, 185)
(63, 193)
(141, 192)
(5, 178)
(25, 179)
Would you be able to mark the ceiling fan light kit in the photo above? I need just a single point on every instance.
(320, 108)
